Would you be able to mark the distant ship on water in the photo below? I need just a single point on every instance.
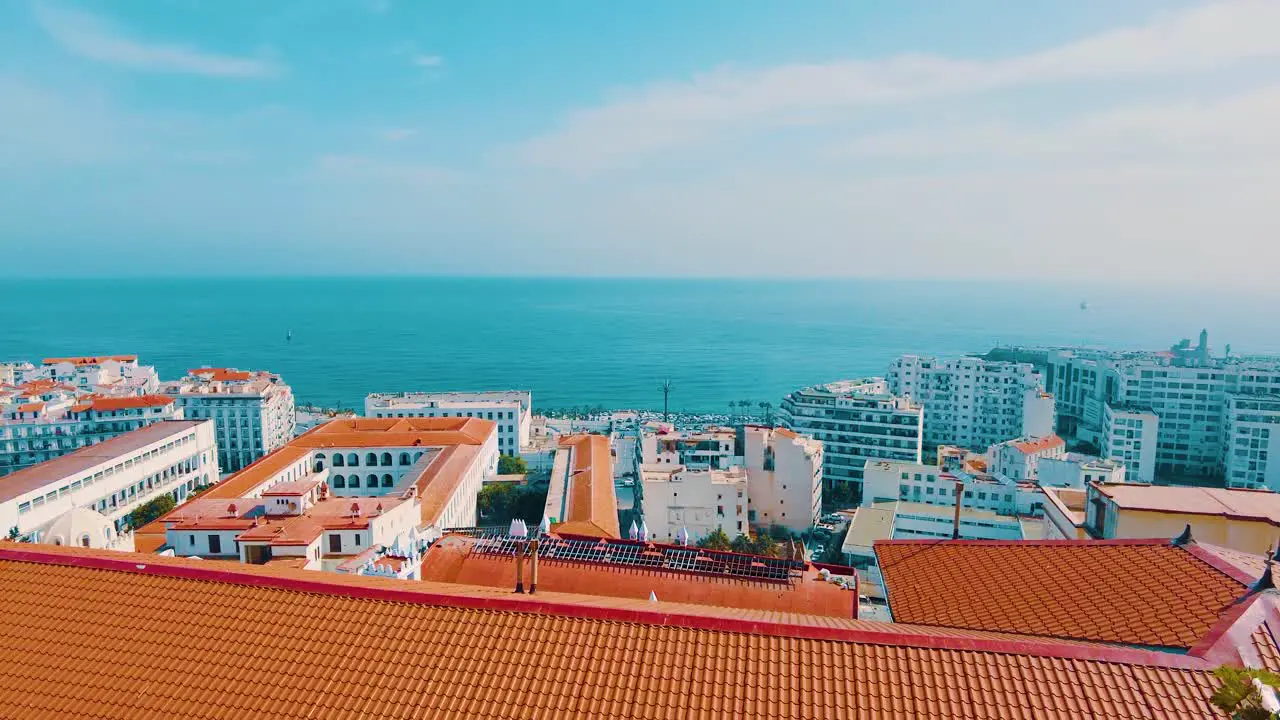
(288, 336)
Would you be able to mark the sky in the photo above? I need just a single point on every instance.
(1130, 141)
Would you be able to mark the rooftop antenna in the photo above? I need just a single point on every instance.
(666, 396)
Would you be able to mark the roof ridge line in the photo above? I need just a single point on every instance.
(1217, 563)
(129, 563)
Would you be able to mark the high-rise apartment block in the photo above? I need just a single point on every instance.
(1184, 401)
(252, 410)
(974, 402)
(856, 420)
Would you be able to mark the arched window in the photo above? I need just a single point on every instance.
(371, 459)
(355, 481)
(339, 481)
(386, 481)
(353, 460)
(338, 461)
(319, 465)
(404, 458)
(84, 540)
(373, 481)
(386, 458)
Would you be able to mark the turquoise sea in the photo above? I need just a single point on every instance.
(593, 341)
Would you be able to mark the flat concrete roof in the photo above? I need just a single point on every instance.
(87, 458)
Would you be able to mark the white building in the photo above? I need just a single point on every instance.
(1076, 470)
(974, 402)
(784, 478)
(701, 501)
(348, 486)
(100, 374)
(856, 421)
(44, 419)
(919, 484)
(712, 448)
(1019, 459)
(112, 477)
(253, 411)
(1131, 436)
(512, 410)
(1186, 388)
(1251, 422)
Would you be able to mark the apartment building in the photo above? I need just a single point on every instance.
(512, 410)
(1251, 422)
(974, 402)
(253, 411)
(700, 501)
(784, 478)
(856, 421)
(1180, 395)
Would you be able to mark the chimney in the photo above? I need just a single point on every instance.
(533, 567)
(955, 521)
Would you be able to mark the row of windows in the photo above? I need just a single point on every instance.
(340, 481)
(370, 460)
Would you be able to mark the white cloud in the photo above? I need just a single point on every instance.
(1244, 123)
(397, 134)
(427, 61)
(93, 38)
(671, 114)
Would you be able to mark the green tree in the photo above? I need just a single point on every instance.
(717, 540)
(764, 544)
(741, 544)
(779, 533)
(151, 510)
(1239, 697)
(498, 503)
(512, 465)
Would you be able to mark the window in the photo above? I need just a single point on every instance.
(371, 459)
(404, 458)
(338, 461)
(386, 481)
(339, 481)
(386, 458)
(354, 482)
(335, 543)
(353, 459)
(357, 538)
(372, 481)
(215, 545)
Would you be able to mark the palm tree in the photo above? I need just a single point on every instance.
(767, 407)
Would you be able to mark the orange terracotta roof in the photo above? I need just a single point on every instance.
(441, 479)
(414, 649)
(453, 559)
(260, 471)
(1136, 592)
(31, 407)
(1035, 445)
(398, 432)
(784, 432)
(1256, 505)
(222, 374)
(592, 507)
(107, 404)
(90, 359)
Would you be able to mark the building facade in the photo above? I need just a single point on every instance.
(44, 419)
(700, 501)
(784, 478)
(973, 402)
(1020, 459)
(1185, 390)
(856, 421)
(512, 410)
(111, 477)
(1131, 436)
(1251, 422)
(253, 411)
